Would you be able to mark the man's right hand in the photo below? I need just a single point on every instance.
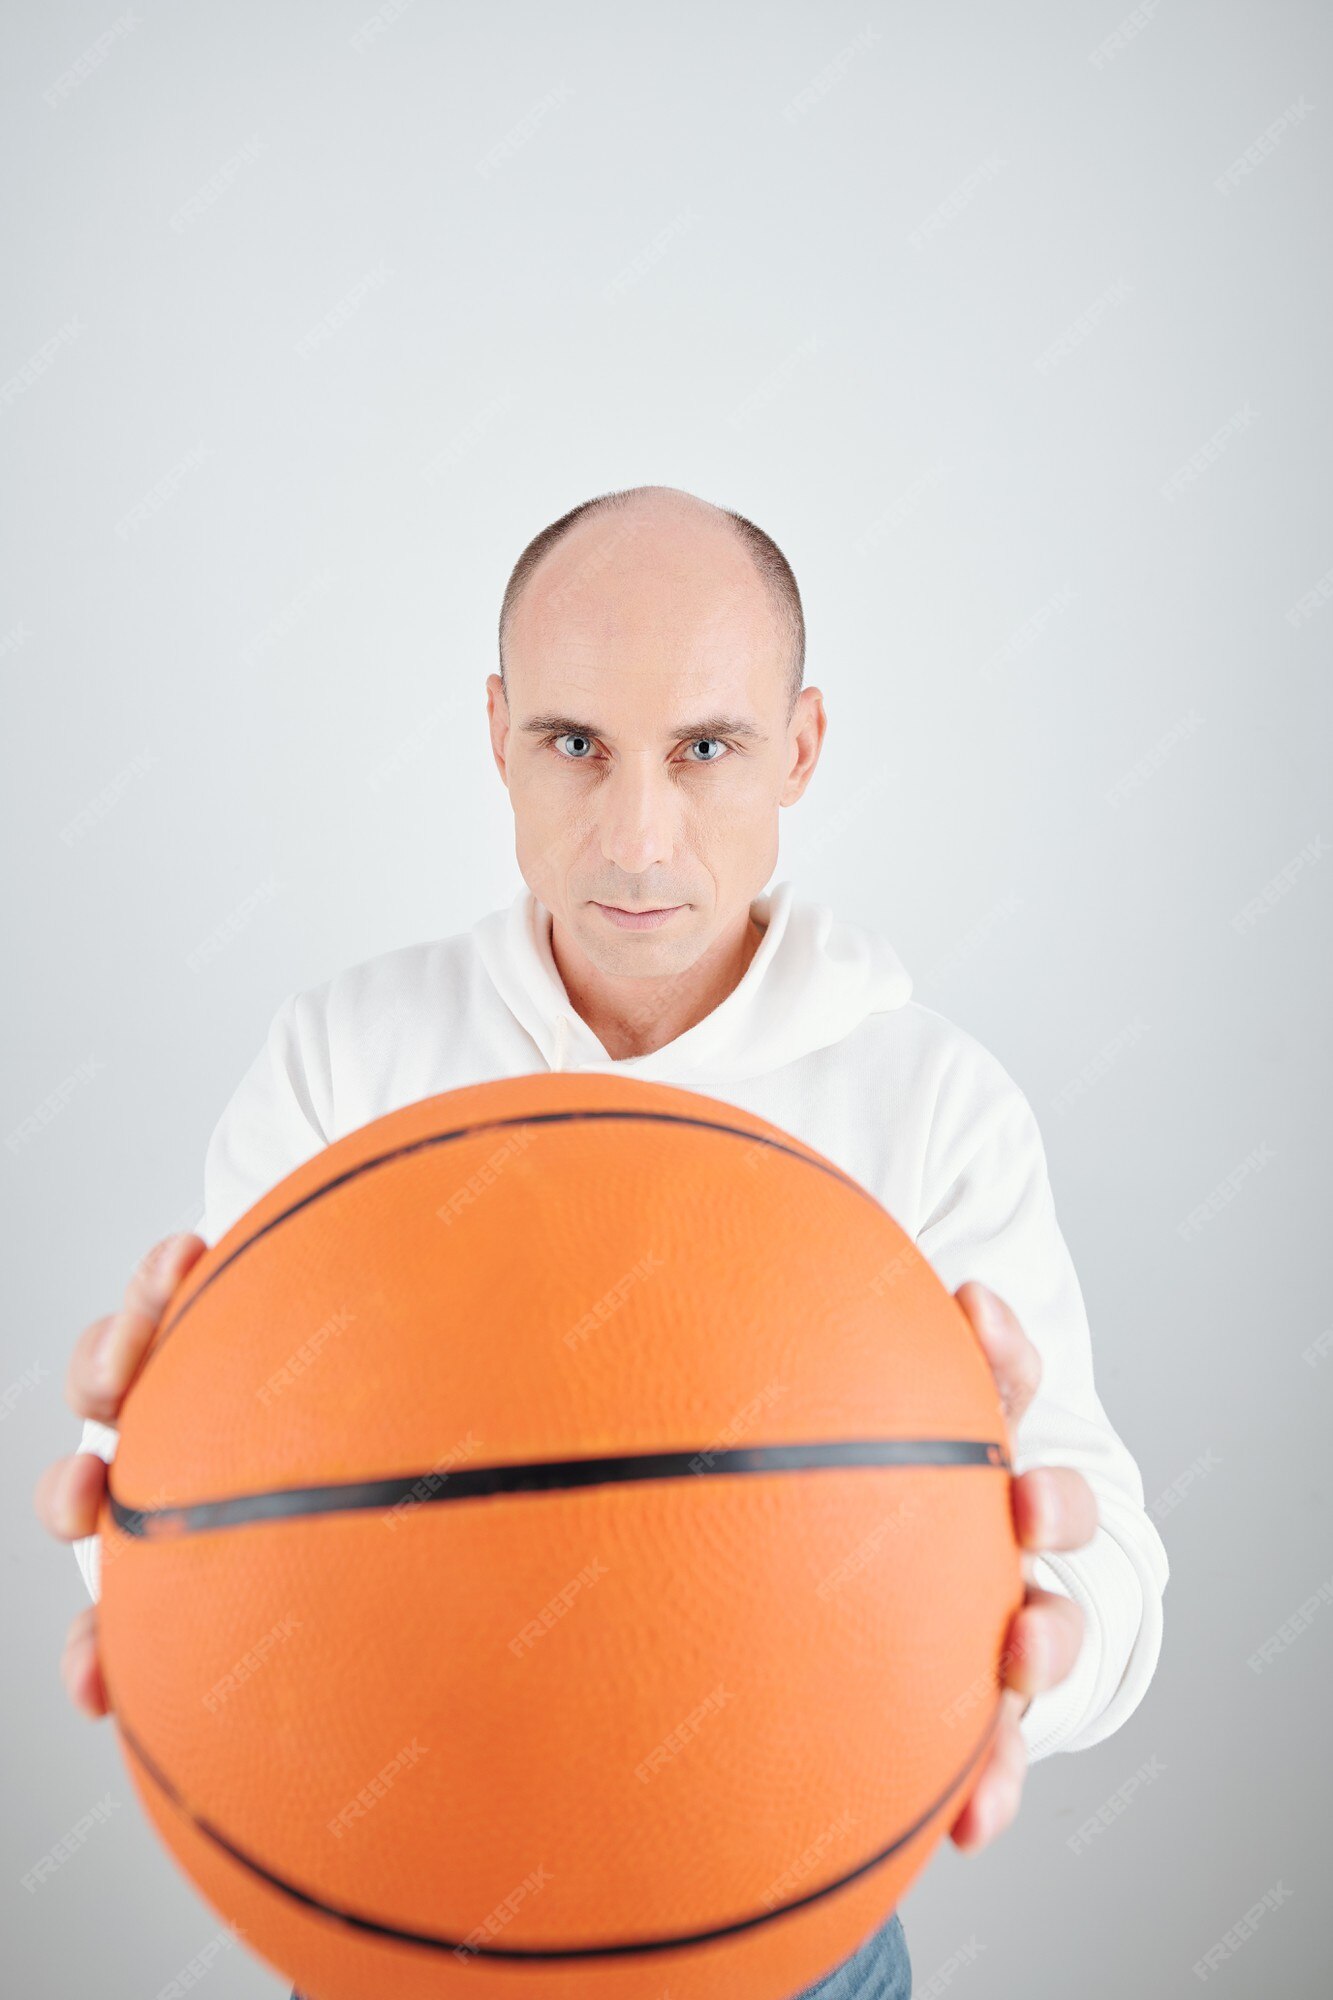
(68, 1496)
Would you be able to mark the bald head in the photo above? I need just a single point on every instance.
(653, 726)
(658, 532)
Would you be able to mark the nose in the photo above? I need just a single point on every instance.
(637, 815)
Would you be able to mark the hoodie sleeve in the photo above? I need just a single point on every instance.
(990, 1216)
(278, 1116)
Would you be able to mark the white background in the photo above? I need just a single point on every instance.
(312, 317)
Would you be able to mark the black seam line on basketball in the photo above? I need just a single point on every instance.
(494, 1125)
(543, 1476)
(434, 1942)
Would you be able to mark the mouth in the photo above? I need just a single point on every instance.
(637, 920)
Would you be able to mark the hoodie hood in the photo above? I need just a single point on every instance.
(813, 979)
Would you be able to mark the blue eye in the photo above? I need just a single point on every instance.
(576, 736)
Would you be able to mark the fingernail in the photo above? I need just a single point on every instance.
(146, 1266)
(162, 1254)
(105, 1366)
(1041, 1508)
(68, 1512)
(63, 1511)
(994, 1312)
(984, 1303)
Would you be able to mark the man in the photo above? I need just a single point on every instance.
(636, 631)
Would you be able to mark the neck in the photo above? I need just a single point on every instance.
(633, 1017)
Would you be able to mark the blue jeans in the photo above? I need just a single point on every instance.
(880, 1970)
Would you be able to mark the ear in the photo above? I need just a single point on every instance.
(497, 717)
(805, 738)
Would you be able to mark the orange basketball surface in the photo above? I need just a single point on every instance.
(559, 1544)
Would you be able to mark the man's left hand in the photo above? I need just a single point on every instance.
(1054, 1508)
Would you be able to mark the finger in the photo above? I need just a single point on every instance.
(108, 1352)
(68, 1495)
(1045, 1636)
(1015, 1362)
(995, 1799)
(1054, 1508)
(157, 1274)
(80, 1669)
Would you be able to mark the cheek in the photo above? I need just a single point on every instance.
(545, 795)
(740, 802)
(555, 815)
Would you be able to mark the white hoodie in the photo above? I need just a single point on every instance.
(820, 1037)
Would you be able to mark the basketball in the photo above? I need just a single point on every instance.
(559, 1544)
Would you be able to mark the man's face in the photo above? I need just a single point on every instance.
(645, 741)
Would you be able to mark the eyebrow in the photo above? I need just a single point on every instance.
(711, 725)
